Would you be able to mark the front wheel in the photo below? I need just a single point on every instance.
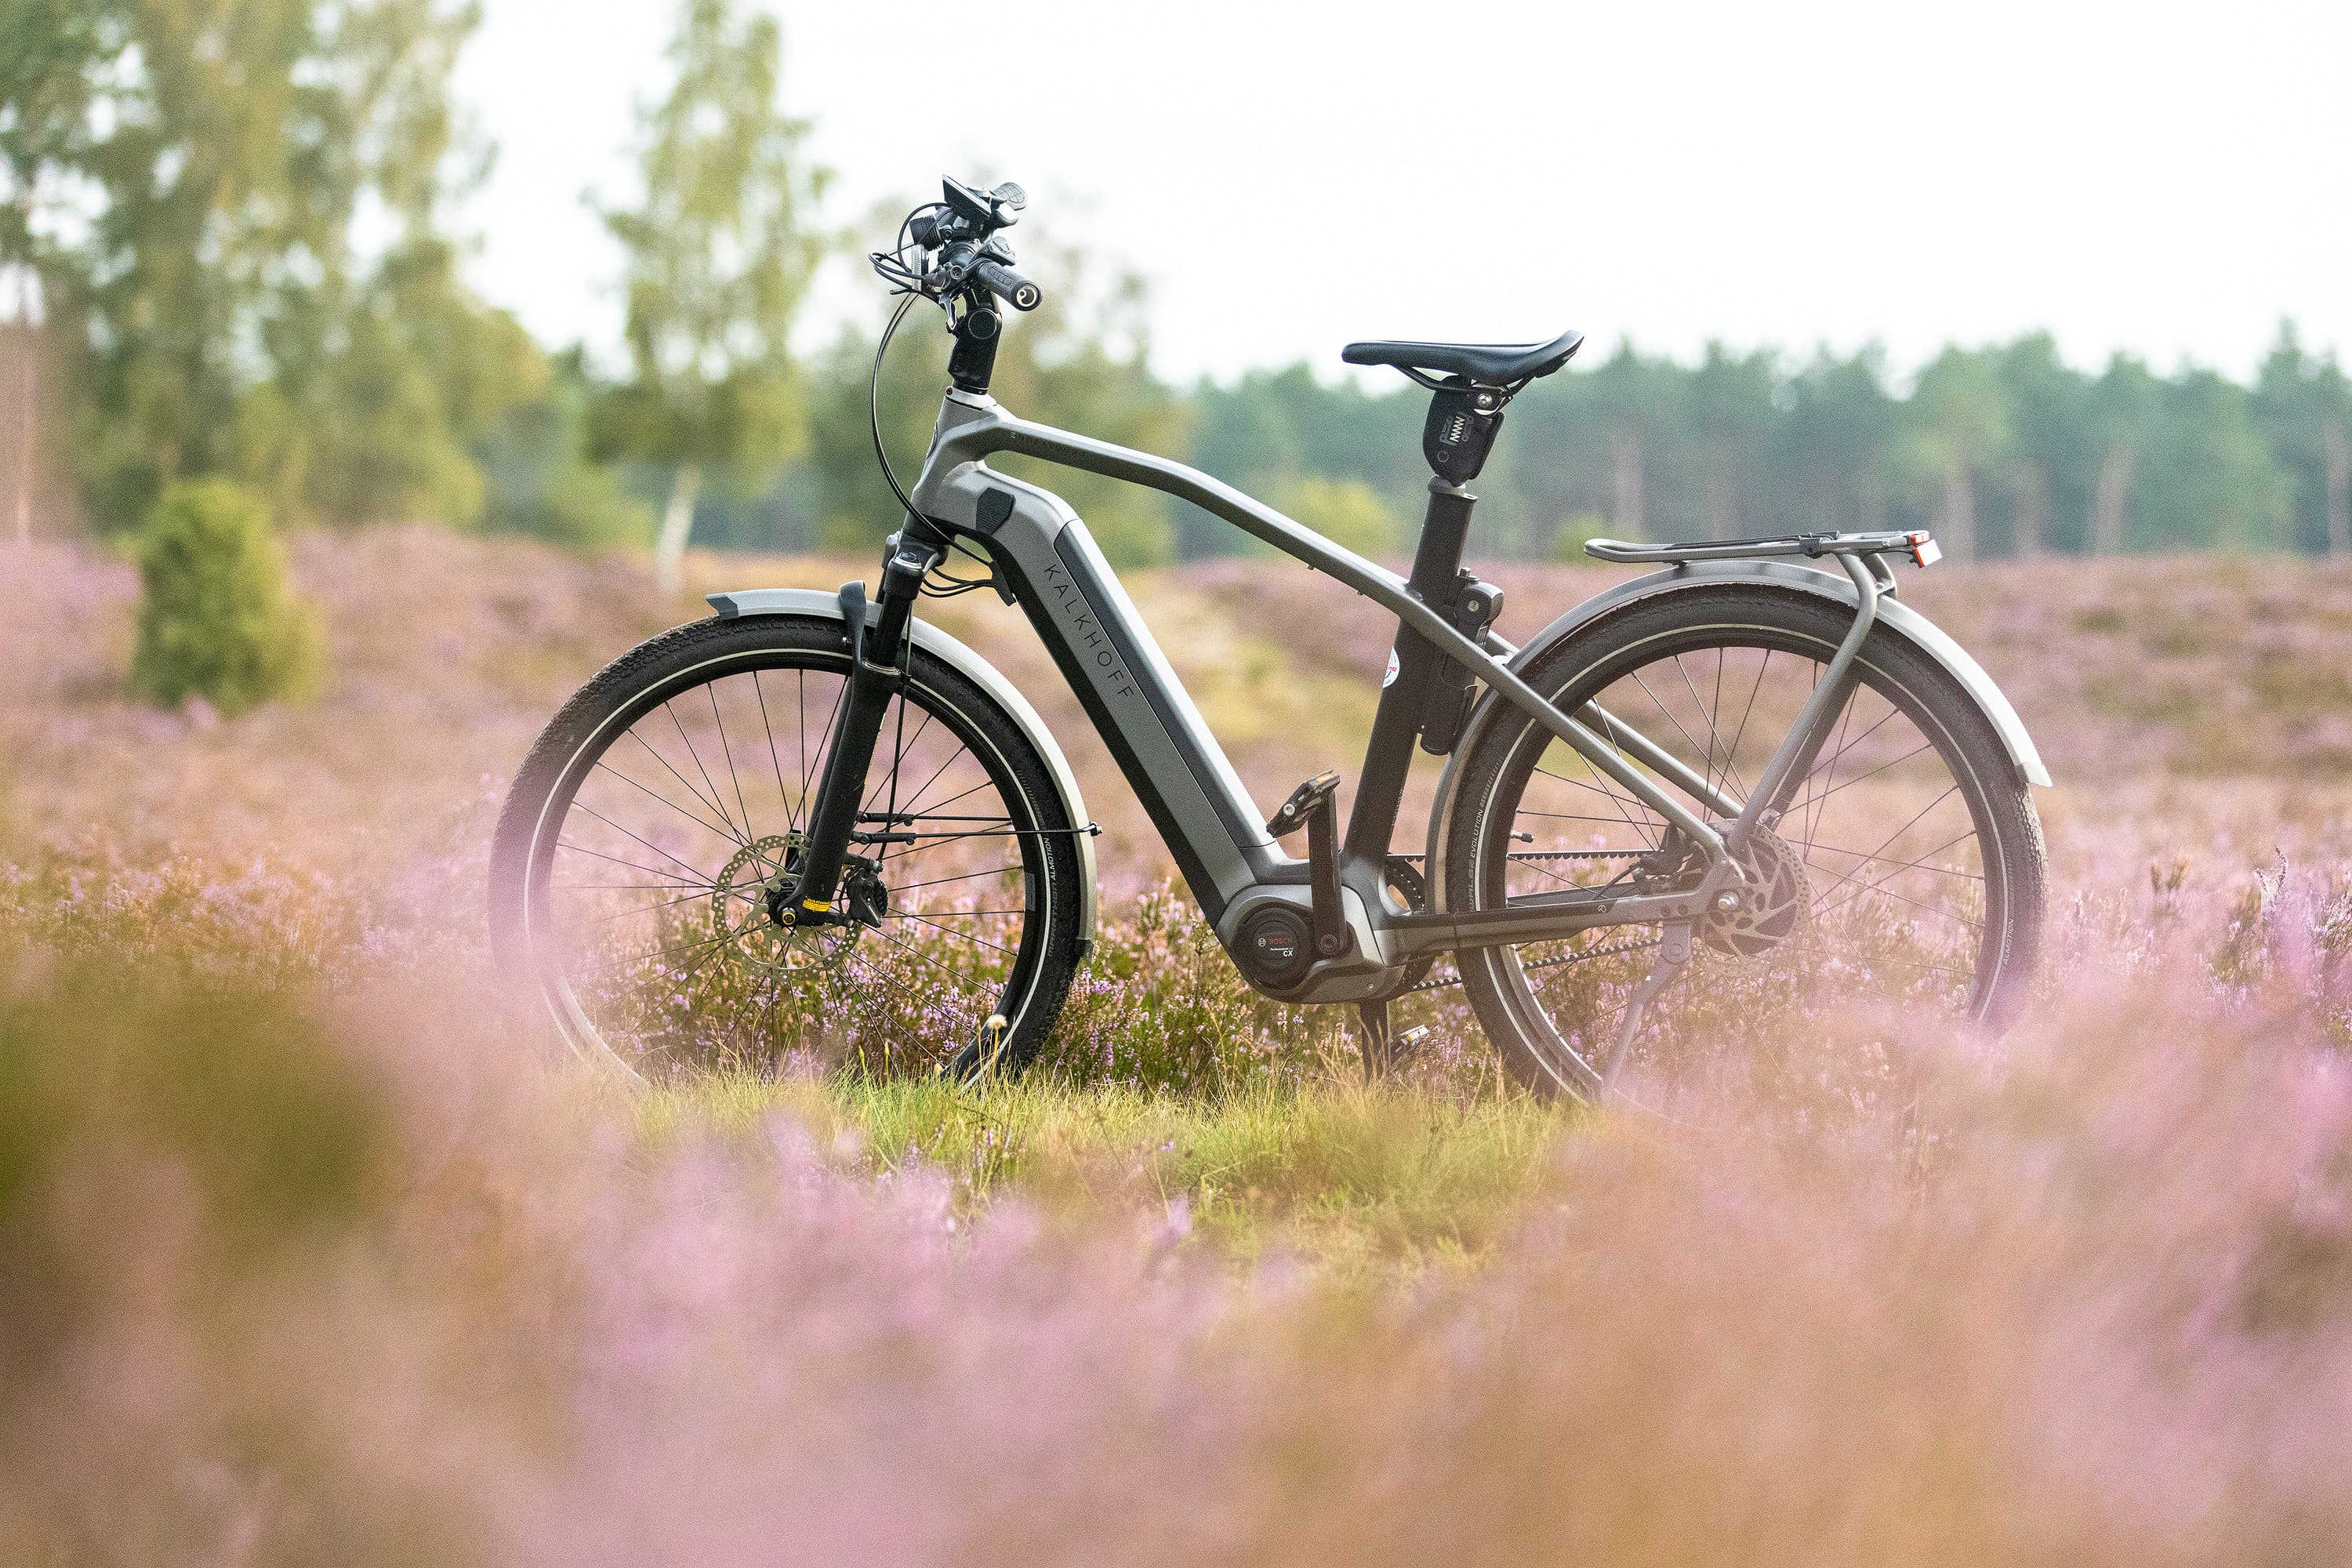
(648, 843)
(1907, 873)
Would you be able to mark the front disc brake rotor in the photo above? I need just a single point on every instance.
(753, 882)
(1772, 903)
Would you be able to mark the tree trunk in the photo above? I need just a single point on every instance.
(2340, 492)
(677, 526)
(29, 346)
(1956, 531)
(2025, 536)
(2107, 502)
(1626, 480)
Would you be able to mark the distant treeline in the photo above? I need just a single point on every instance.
(232, 221)
(2004, 451)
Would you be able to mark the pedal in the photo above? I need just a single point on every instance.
(1304, 800)
(1310, 806)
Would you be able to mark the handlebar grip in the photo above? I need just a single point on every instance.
(1009, 286)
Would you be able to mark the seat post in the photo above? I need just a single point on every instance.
(1388, 755)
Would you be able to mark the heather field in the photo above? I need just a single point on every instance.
(309, 1251)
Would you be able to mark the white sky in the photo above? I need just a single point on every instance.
(2165, 178)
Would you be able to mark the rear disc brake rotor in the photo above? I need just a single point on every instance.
(1773, 904)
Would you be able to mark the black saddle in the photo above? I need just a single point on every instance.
(1487, 364)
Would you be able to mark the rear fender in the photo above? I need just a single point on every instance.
(1893, 616)
(973, 668)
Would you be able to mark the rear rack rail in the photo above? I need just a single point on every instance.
(1917, 543)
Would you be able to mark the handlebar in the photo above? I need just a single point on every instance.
(963, 230)
(1008, 285)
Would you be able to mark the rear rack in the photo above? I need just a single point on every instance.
(1917, 543)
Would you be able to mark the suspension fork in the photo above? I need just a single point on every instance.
(877, 669)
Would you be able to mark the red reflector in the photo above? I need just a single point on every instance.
(1924, 548)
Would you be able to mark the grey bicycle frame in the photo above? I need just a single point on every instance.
(1173, 761)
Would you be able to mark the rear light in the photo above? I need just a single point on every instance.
(1924, 548)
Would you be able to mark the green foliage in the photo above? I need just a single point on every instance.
(1349, 512)
(186, 184)
(217, 620)
(540, 482)
(720, 248)
(1568, 545)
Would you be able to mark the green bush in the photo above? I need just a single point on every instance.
(217, 620)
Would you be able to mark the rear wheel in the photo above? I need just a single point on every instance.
(1905, 875)
(647, 843)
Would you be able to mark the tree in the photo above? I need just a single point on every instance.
(1732, 415)
(719, 252)
(2124, 402)
(2213, 480)
(2305, 406)
(1960, 427)
(1841, 422)
(2052, 438)
(185, 176)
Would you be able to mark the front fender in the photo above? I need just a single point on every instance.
(973, 668)
(1894, 615)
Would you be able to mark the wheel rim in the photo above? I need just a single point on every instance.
(1883, 892)
(649, 905)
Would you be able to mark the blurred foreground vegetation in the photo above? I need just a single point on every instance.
(231, 221)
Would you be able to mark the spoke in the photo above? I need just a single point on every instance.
(634, 865)
(666, 800)
(1881, 890)
(1741, 733)
(958, 935)
(695, 945)
(1901, 865)
(916, 799)
(1859, 778)
(1648, 832)
(1898, 833)
(898, 758)
(720, 810)
(792, 818)
(1809, 808)
(718, 801)
(921, 957)
(968, 877)
(710, 689)
(1609, 733)
(1713, 734)
(1879, 886)
(695, 896)
(1709, 749)
(949, 914)
(648, 843)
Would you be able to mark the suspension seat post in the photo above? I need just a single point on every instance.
(877, 667)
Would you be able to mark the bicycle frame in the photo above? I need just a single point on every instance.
(1052, 567)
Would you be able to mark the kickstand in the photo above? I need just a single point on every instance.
(1374, 1017)
(1673, 957)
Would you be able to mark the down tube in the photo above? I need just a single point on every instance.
(1153, 731)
